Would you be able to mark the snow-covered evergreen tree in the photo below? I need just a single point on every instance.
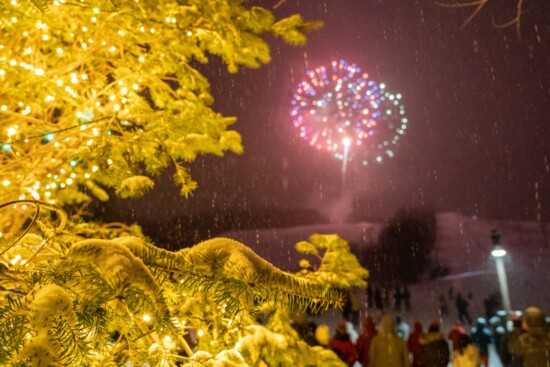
(100, 96)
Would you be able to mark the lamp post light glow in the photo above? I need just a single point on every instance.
(498, 252)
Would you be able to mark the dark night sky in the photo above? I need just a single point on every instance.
(477, 101)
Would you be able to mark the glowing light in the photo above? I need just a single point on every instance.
(16, 259)
(146, 318)
(12, 131)
(498, 251)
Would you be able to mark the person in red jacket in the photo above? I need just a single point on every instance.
(364, 340)
(342, 345)
(414, 344)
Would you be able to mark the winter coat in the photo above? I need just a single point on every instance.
(508, 341)
(468, 358)
(533, 347)
(481, 338)
(414, 344)
(434, 350)
(364, 341)
(344, 348)
(387, 349)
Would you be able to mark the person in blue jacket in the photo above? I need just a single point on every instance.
(481, 338)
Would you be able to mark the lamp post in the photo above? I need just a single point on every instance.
(498, 253)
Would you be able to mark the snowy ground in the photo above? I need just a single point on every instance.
(463, 246)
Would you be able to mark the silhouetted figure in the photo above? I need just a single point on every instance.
(451, 293)
(387, 349)
(386, 296)
(466, 354)
(481, 338)
(355, 310)
(462, 308)
(532, 348)
(370, 297)
(378, 304)
(305, 327)
(414, 344)
(397, 296)
(407, 298)
(454, 334)
(498, 327)
(443, 306)
(492, 305)
(342, 345)
(346, 308)
(365, 339)
(434, 348)
(510, 338)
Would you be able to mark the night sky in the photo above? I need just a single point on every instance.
(478, 140)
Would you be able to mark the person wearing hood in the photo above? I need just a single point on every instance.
(532, 348)
(434, 349)
(342, 345)
(414, 344)
(365, 339)
(322, 336)
(481, 338)
(510, 338)
(454, 334)
(466, 354)
(387, 349)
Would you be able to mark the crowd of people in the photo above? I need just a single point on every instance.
(521, 340)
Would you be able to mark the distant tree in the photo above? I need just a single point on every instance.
(405, 245)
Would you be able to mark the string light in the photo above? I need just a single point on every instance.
(61, 90)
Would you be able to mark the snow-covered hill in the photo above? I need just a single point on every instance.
(463, 246)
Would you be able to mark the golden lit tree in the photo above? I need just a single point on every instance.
(100, 96)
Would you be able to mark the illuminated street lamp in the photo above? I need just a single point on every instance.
(498, 252)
